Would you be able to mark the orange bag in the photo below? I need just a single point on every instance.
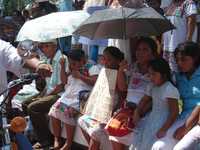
(121, 123)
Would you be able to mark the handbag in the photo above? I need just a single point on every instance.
(121, 123)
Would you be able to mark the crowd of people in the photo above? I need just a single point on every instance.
(155, 96)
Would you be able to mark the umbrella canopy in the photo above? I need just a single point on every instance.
(122, 23)
(51, 26)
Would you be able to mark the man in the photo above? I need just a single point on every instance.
(39, 107)
(11, 61)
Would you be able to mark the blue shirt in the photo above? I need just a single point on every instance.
(64, 5)
(54, 80)
(189, 90)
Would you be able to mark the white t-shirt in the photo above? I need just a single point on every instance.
(137, 86)
(70, 96)
(166, 90)
(10, 61)
(178, 19)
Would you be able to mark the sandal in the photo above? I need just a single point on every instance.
(39, 145)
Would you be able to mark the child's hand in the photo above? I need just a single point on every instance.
(180, 132)
(161, 133)
(76, 74)
(62, 61)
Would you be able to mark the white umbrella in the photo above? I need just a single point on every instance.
(52, 26)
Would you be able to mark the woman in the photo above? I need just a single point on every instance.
(146, 50)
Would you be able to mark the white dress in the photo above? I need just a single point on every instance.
(190, 140)
(157, 116)
(70, 98)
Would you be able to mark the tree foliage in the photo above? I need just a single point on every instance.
(11, 5)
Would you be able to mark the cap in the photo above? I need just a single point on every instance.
(26, 48)
(28, 45)
(49, 41)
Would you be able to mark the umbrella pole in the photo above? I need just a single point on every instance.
(124, 23)
(60, 47)
(124, 32)
(63, 56)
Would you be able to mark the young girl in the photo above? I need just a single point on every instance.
(163, 97)
(66, 107)
(146, 50)
(96, 136)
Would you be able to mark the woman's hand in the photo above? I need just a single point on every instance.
(180, 132)
(123, 66)
(161, 133)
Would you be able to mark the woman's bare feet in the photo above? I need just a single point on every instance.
(57, 143)
(65, 147)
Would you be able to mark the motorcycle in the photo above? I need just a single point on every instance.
(12, 124)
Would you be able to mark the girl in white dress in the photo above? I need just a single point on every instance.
(67, 106)
(162, 99)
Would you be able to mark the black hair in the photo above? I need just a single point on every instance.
(161, 65)
(76, 55)
(114, 53)
(191, 49)
(159, 1)
(152, 44)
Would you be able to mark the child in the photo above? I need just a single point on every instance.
(191, 132)
(66, 107)
(163, 98)
(112, 58)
